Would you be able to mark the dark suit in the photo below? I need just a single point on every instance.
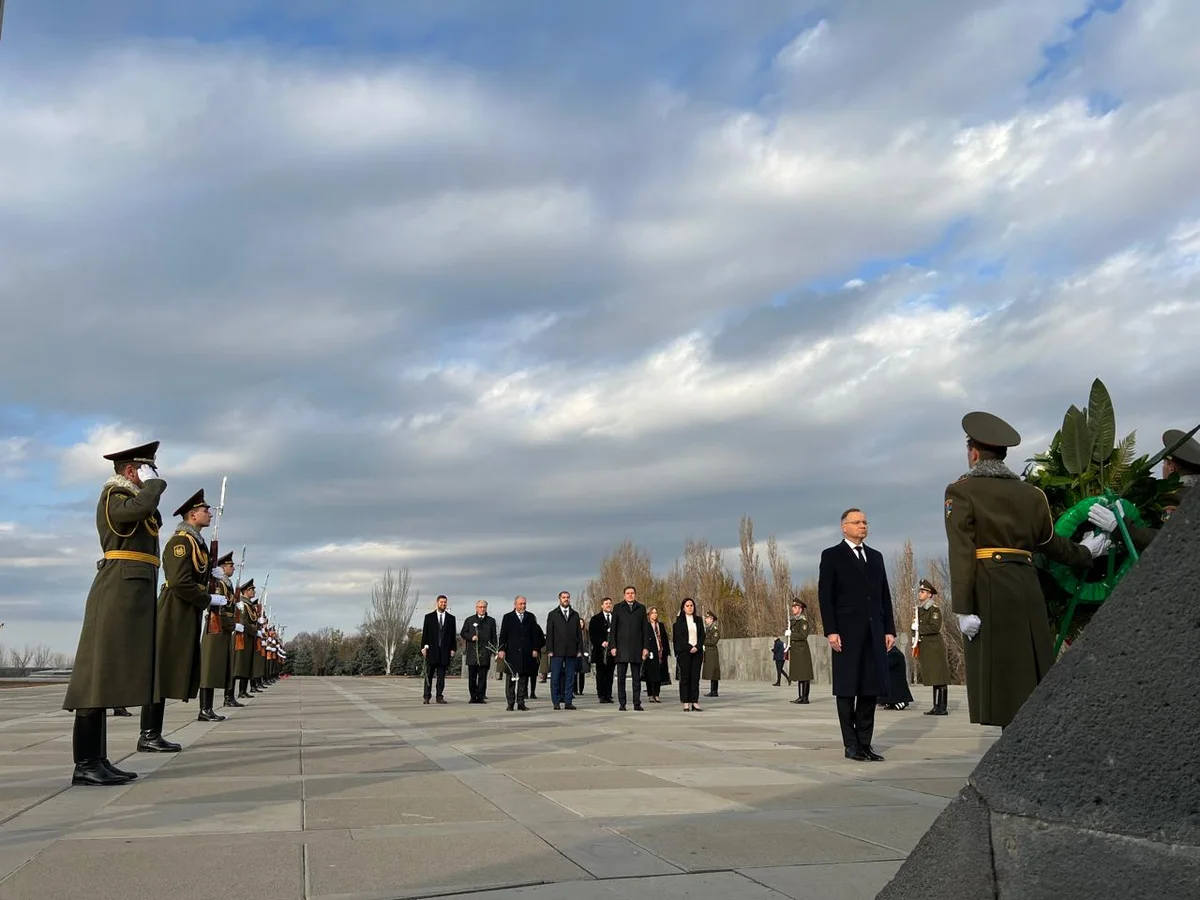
(857, 605)
(564, 643)
(600, 631)
(689, 662)
(631, 635)
(439, 645)
(478, 656)
(519, 640)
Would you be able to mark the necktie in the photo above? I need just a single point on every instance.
(861, 558)
(607, 619)
(566, 613)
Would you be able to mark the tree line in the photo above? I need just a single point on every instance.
(35, 657)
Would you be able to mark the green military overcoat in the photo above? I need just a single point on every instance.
(994, 523)
(935, 665)
(710, 669)
(216, 649)
(247, 616)
(114, 661)
(181, 603)
(800, 664)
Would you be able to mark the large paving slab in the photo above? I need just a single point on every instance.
(352, 789)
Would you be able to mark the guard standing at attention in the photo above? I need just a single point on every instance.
(931, 648)
(114, 661)
(994, 524)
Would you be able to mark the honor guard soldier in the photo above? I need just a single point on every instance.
(1184, 461)
(181, 602)
(245, 630)
(994, 524)
(114, 661)
(800, 663)
(258, 664)
(216, 647)
(931, 648)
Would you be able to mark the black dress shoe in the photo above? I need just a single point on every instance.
(637, 707)
(121, 711)
(622, 707)
(522, 707)
(509, 707)
(441, 700)
(871, 755)
(557, 706)
(856, 754)
(93, 772)
(121, 773)
(426, 701)
(570, 706)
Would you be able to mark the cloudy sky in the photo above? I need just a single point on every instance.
(484, 289)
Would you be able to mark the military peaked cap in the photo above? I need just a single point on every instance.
(246, 586)
(925, 585)
(226, 560)
(992, 431)
(196, 501)
(1187, 452)
(143, 455)
(796, 601)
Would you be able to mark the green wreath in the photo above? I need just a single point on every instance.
(1094, 592)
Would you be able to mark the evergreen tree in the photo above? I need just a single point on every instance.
(302, 660)
(369, 659)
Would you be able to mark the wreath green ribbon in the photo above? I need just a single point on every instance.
(1093, 592)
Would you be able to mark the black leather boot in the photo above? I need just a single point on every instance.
(104, 761)
(207, 714)
(804, 696)
(231, 700)
(943, 699)
(243, 694)
(150, 739)
(87, 748)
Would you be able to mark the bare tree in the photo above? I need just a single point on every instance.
(390, 612)
(41, 657)
(19, 659)
(902, 579)
(62, 660)
(627, 564)
(754, 583)
(781, 588)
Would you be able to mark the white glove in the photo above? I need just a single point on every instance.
(788, 633)
(262, 621)
(239, 606)
(1096, 543)
(217, 600)
(969, 625)
(239, 628)
(1102, 517)
(146, 473)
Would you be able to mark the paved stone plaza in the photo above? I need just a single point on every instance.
(351, 788)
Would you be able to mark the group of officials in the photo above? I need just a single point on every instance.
(141, 645)
(624, 642)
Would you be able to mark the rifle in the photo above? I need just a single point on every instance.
(214, 548)
(916, 630)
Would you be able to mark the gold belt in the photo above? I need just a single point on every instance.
(1001, 552)
(133, 556)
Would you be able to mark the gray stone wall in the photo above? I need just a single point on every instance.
(749, 659)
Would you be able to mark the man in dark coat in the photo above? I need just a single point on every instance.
(520, 640)
(181, 602)
(994, 524)
(631, 645)
(479, 636)
(856, 608)
(439, 638)
(600, 633)
(564, 644)
(114, 661)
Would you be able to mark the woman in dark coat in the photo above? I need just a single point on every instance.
(655, 670)
(688, 634)
(898, 695)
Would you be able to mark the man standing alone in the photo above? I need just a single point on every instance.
(856, 608)
(564, 644)
(438, 642)
(479, 636)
